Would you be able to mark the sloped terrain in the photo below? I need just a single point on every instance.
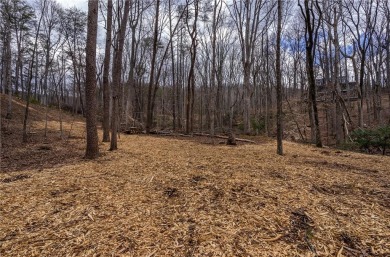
(159, 196)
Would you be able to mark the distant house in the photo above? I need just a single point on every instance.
(325, 90)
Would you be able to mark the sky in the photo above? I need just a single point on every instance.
(81, 4)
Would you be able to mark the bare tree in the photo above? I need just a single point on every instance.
(149, 118)
(30, 72)
(247, 17)
(92, 150)
(217, 8)
(73, 24)
(360, 18)
(106, 73)
(117, 74)
(386, 11)
(174, 83)
(50, 46)
(312, 25)
(6, 15)
(23, 18)
(279, 115)
(192, 30)
(332, 14)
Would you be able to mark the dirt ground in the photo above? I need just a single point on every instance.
(164, 196)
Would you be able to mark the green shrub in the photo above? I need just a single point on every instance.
(258, 125)
(372, 138)
(383, 138)
(33, 100)
(348, 146)
(363, 137)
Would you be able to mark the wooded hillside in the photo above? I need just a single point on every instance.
(204, 66)
(185, 196)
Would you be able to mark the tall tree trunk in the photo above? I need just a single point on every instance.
(45, 78)
(337, 88)
(387, 15)
(106, 73)
(311, 39)
(361, 88)
(18, 70)
(92, 150)
(312, 97)
(149, 113)
(172, 69)
(116, 76)
(2, 82)
(267, 90)
(7, 64)
(388, 62)
(30, 75)
(213, 69)
(191, 75)
(131, 82)
(247, 100)
(279, 115)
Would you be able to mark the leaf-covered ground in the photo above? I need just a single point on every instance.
(160, 196)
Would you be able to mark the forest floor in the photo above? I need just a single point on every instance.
(164, 196)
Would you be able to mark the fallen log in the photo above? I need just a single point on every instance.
(165, 133)
(225, 137)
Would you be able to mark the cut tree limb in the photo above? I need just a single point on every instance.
(165, 133)
(225, 137)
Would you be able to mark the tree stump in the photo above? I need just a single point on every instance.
(231, 140)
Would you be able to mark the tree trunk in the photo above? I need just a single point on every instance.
(191, 75)
(116, 76)
(361, 89)
(337, 88)
(92, 150)
(279, 117)
(213, 70)
(30, 75)
(106, 73)
(7, 64)
(18, 70)
(45, 78)
(149, 114)
(172, 68)
(247, 101)
(388, 63)
(310, 36)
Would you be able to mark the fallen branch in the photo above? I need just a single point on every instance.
(225, 137)
(339, 254)
(165, 133)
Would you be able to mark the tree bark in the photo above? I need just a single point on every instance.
(8, 55)
(337, 89)
(106, 73)
(279, 115)
(149, 114)
(311, 34)
(191, 75)
(30, 75)
(92, 150)
(116, 76)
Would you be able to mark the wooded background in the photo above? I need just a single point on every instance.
(205, 66)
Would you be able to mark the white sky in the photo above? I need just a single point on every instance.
(81, 4)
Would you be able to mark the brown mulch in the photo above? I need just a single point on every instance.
(160, 196)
